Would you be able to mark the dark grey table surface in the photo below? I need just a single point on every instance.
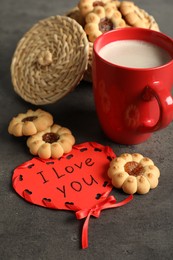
(142, 229)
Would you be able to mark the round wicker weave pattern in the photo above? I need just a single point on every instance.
(50, 60)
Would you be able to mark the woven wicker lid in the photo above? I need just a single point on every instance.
(50, 60)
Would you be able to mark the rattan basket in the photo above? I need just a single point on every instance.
(50, 60)
(75, 14)
(54, 56)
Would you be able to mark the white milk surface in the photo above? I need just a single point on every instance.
(134, 54)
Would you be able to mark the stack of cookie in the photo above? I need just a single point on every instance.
(97, 17)
(45, 138)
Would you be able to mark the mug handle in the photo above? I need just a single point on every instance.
(165, 102)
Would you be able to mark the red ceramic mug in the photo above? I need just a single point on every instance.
(132, 103)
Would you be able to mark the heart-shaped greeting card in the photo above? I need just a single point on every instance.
(77, 181)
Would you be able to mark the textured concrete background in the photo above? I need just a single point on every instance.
(142, 229)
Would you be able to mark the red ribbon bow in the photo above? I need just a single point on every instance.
(104, 203)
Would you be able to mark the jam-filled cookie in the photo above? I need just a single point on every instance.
(133, 173)
(102, 19)
(133, 15)
(52, 142)
(86, 6)
(29, 123)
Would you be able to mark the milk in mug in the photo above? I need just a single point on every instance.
(134, 54)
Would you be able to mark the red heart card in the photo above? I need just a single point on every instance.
(77, 181)
(78, 178)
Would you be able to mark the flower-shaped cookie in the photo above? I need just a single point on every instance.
(133, 15)
(133, 173)
(103, 19)
(29, 123)
(86, 6)
(52, 142)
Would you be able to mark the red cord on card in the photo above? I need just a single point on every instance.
(104, 203)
